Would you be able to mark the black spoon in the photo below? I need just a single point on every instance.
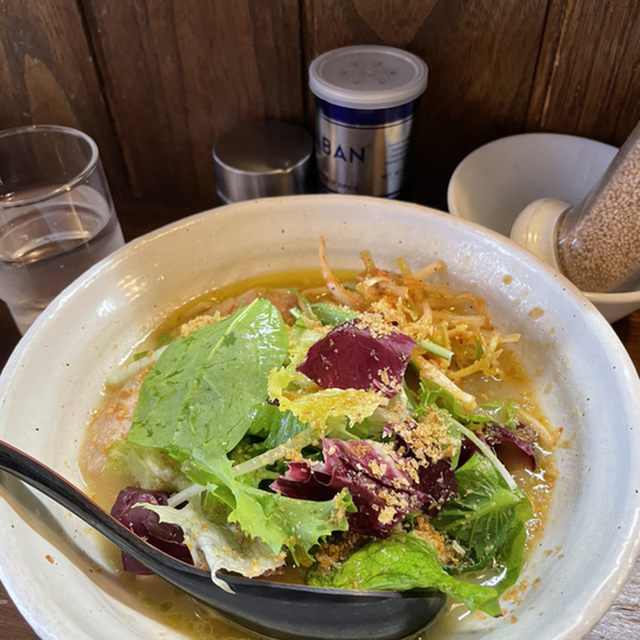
(281, 610)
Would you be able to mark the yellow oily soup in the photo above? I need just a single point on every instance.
(178, 611)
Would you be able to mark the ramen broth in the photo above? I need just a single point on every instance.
(178, 610)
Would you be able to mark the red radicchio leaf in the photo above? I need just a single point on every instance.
(382, 492)
(349, 357)
(146, 524)
(523, 438)
(499, 438)
(303, 483)
(438, 483)
(437, 479)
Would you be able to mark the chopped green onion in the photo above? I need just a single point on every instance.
(165, 339)
(298, 295)
(436, 349)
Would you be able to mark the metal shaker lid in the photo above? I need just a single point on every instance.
(262, 159)
(368, 77)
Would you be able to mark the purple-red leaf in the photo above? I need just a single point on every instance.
(501, 440)
(350, 357)
(146, 524)
(523, 438)
(303, 482)
(382, 491)
(437, 480)
(438, 483)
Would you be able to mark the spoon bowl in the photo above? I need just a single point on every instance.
(281, 610)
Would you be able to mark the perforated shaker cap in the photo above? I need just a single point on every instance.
(368, 77)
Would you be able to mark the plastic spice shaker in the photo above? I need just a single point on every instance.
(598, 241)
(366, 96)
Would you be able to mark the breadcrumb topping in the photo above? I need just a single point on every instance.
(333, 552)
(449, 552)
(429, 439)
(196, 323)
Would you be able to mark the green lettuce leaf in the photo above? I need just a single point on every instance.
(403, 562)
(275, 426)
(332, 314)
(151, 468)
(432, 394)
(297, 524)
(202, 389)
(222, 547)
(488, 520)
(275, 519)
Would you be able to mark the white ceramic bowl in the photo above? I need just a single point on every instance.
(587, 385)
(494, 183)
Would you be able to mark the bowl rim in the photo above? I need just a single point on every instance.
(619, 297)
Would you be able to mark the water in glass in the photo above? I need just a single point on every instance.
(46, 245)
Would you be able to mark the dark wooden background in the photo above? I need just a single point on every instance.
(155, 82)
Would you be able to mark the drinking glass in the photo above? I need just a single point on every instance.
(56, 215)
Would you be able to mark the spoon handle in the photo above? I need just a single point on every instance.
(64, 493)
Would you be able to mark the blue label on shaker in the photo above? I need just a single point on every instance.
(362, 151)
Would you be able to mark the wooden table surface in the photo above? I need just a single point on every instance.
(621, 623)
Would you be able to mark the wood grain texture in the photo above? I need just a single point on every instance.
(481, 58)
(588, 78)
(177, 74)
(622, 621)
(628, 330)
(395, 23)
(12, 625)
(48, 76)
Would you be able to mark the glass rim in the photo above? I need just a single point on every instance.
(70, 184)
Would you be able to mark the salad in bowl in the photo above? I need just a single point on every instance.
(362, 434)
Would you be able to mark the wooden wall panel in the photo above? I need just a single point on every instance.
(48, 76)
(588, 78)
(177, 74)
(481, 57)
(155, 82)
